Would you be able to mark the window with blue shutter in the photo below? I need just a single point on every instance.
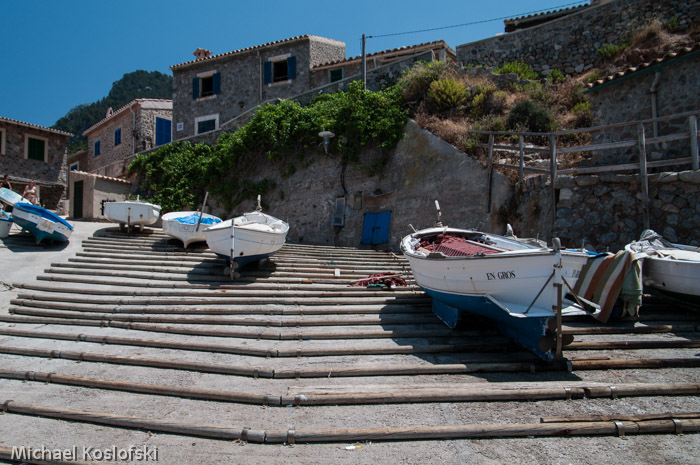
(291, 67)
(117, 136)
(375, 229)
(216, 83)
(267, 72)
(97, 147)
(195, 87)
(336, 74)
(163, 131)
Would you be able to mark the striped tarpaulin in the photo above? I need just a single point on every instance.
(602, 279)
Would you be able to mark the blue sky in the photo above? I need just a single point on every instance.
(61, 53)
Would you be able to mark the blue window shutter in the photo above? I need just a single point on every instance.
(291, 67)
(216, 81)
(368, 228)
(195, 87)
(267, 72)
(97, 147)
(163, 131)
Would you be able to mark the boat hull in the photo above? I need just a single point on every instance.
(255, 236)
(514, 289)
(132, 212)
(678, 278)
(5, 225)
(187, 232)
(43, 224)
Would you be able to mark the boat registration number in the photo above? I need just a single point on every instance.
(46, 225)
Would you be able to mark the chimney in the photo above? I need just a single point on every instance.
(201, 54)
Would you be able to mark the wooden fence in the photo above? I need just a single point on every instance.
(642, 142)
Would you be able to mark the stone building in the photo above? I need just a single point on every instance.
(663, 87)
(29, 151)
(334, 71)
(213, 89)
(140, 125)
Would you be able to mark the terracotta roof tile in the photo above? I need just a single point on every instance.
(247, 49)
(633, 69)
(35, 126)
(541, 15)
(424, 46)
(101, 176)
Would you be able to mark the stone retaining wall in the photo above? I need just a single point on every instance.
(570, 44)
(605, 212)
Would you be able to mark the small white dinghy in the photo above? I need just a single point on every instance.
(132, 212)
(247, 238)
(188, 226)
(672, 269)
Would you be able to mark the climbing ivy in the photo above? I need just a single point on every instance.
(176, 175)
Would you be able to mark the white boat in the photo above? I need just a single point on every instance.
(5, 224)
(672, 269)
(42, 223)
(188, 226)
(508, 281)
(247, 238)
(132, 212)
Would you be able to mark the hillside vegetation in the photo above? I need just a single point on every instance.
(138, 84)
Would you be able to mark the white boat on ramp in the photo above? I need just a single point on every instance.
(188, 226)
(132, 212)
(671, 269)
(247, 238)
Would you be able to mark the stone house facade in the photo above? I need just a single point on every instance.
(213, 89)
(89, 192)
(666, 86)
(140, 125)
(29, 151)
(334, 71)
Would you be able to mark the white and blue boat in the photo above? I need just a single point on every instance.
(42, 223)
(188, 226)
(506, 280)
(5, 224)
(247, 238)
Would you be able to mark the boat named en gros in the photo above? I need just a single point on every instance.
(132, 212)
(671, 269)
(188, 226)
(247, 238)
(510, 282)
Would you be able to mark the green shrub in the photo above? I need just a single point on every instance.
(487, 100)
(446, 94)
(609, 51)
(583, 117)
(530, 116)
(415, 81)
(671, 24)
(522, 69)
(556, 77)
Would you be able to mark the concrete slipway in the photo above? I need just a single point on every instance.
(115, 341)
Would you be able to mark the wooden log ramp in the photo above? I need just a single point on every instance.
(666, 423)
(144, 308)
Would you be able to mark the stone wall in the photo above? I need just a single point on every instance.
(570, 44)
(605, 212)
(422, 169)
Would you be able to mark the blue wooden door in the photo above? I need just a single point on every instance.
(375, 229)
